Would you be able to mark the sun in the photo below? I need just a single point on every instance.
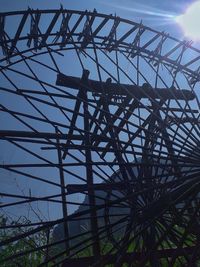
(190, 21)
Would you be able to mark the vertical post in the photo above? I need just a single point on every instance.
(150, 234)
(63, 193)
(89, 174)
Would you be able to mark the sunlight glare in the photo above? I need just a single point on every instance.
(190, 21)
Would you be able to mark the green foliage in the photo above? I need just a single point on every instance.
(31, 259)
(36, 255)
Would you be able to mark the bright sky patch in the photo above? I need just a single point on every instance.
(190, 21)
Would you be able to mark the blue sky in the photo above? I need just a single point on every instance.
(153, 13)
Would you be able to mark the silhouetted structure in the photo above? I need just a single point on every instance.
(107, 109)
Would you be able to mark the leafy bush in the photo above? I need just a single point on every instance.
(32, 242)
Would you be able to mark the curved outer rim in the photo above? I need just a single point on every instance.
(103, 16)
(184, 44)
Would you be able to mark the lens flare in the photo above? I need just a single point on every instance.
(149, 15)
(190, 21)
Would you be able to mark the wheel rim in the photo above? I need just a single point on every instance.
(143, 146)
